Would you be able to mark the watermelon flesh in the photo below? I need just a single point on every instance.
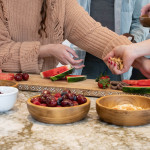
(55, 71)
(76, 78)
(61, 75)
(6, 76)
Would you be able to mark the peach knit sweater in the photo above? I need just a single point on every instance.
(20, 42)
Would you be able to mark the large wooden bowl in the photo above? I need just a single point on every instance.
(124, 117)
(8, 83)
(58, 115)
(145, 21)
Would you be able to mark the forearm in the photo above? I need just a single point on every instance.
(141, 49)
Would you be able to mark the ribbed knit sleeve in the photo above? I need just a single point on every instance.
(86, 33)
(17, 56)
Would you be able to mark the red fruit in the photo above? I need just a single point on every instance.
(82, 100)
(66, 103)
(75, 103)
(6, 76)
(25, 76)
(43, 105)
(46, 92)
(52, 103)
(57, 95)
(70, 96)
(36, 99)
(103, 83)
(36, 103)
(18, 77)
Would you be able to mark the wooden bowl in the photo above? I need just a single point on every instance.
(124, 117)
(145, 21)
(58, 115)
(8, 83)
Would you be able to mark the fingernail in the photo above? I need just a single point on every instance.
(109, 62)
(114, 64)
(109, 58)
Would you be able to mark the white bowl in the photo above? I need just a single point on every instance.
(7, 98)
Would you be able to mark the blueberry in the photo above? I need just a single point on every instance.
(59, 100)
(63, 93)
(75, 98)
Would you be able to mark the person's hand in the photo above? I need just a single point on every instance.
(145, 10)
(62, 53)
(143, 64)
(124, 52)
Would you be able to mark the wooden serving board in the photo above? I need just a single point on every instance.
(87, 87)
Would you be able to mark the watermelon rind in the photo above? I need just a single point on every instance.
(132, 89)
(62, 75)
(77, 78)
(47, 73)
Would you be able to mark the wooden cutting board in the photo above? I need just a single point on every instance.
(87, 87)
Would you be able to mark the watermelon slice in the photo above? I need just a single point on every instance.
(62, 74)
(137, 89)
(6, 76)
(55, 71)
(76, 78)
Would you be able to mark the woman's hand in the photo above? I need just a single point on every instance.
(62, 53)
(143, 64)
(146, 10)
(124, 52)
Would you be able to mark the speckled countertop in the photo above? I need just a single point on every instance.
(18, 131)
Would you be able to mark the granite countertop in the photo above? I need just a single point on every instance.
(19, 131)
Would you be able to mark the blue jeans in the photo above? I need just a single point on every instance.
(95, 66)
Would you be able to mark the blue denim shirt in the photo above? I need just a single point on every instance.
(127, 14)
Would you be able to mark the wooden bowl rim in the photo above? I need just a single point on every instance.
(38, 106)
(99, 99)
(15, 83)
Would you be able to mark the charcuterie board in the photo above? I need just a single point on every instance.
(87, 87)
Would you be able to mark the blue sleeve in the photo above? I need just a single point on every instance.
(137, 30)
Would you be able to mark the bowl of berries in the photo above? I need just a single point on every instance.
(58, 108)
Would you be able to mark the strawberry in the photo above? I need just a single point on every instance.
(104, 83)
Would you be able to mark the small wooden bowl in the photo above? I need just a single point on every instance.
(8, 83)
(58, 115)
(145, 21)
(124, 117)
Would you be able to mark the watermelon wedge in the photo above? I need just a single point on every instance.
(76, 78)
(62, 74)
(55, 71)
(137, 89)
(6, 76)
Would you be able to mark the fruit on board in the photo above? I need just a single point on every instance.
(137, 89)
(103, 81)
(63, 99)
(25, 76)
(6, 76)
(55, 71)
(21, 76)
(62, 75)
(142, 82)
(76, 78)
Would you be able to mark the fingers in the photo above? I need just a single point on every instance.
(111, 54)
(78, 66)
(71, 51)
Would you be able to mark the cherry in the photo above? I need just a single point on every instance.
(36, 103)
(46, 92)
(57, 95)
(25, 76)
(75, 103)
(52, 103)
(18, 77)
(82, 100)
(70, 96)
(66, 103)
(43, 105)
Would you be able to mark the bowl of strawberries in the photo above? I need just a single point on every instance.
(58, 108)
